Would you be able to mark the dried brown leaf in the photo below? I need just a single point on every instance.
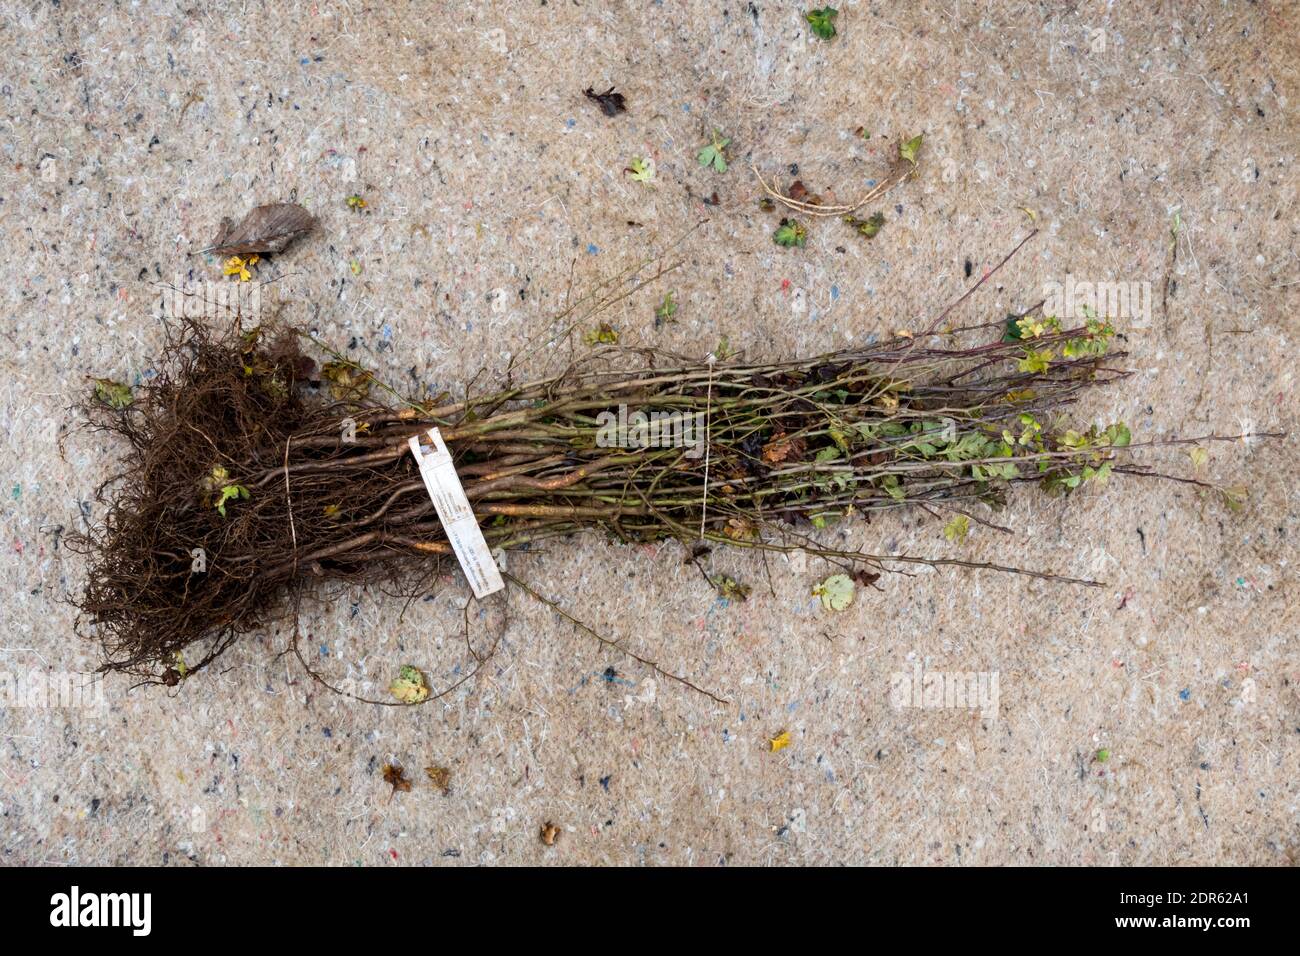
(395, 777)
(266, 229)
(800, 193)
(783, 448)
(441, 777)
(610, 102)
(549, 833)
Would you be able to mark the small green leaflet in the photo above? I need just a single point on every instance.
(790, 234)
(229, 493)
(911, 149)
(665, 311)
(714, 154)
(867, 227)
(957, 529)
(641, 170)
(731, 589)
(836, 592)
(822, 21)
(603, 334)
(113, 394)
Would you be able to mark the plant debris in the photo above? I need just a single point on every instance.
(265, 229)
(790, 234)
(395, 777)
(910, 150)
(665, 311)
(240, 268)
(836, 592)
(610, 102)
(603, 334)
(409, 686)
(957, 528)
(715, 153)
(868, 227)
(779, 742)
(641, 170)
(348, 381)
(731, 589)
(822, 21)
(549, 833)
(799, 192)
(116, 395)
(440, 777)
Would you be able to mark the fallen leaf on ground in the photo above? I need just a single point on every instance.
(604, 334)
(441, 777)
(731, 589)
(549, 833)
(410, 686)
(265, 229)
(395, 777)
(116, 395)
(836, 592)
(610, 102)
(779, 742)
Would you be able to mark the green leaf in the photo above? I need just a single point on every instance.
(230, 493)
(603, 334)
(410, 686)
(867, 228)
(1120, 435)
(641, 171)
(1035, 360)
(911, 149)
(1235, 497)
(115, 395)
(957, 529)
(714, 154)
(1012, 333)
(665, 310)
(790, 234)
(836, 592)
(827, 454)
(822, 21)
(730, 588)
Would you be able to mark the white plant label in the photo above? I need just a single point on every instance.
(458, 521)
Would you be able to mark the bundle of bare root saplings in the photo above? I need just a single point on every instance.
(250, 472)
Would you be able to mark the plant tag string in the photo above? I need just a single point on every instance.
(458, 521)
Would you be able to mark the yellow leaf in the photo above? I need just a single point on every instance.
(237, 266)
(779, 742)
(409, 686)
